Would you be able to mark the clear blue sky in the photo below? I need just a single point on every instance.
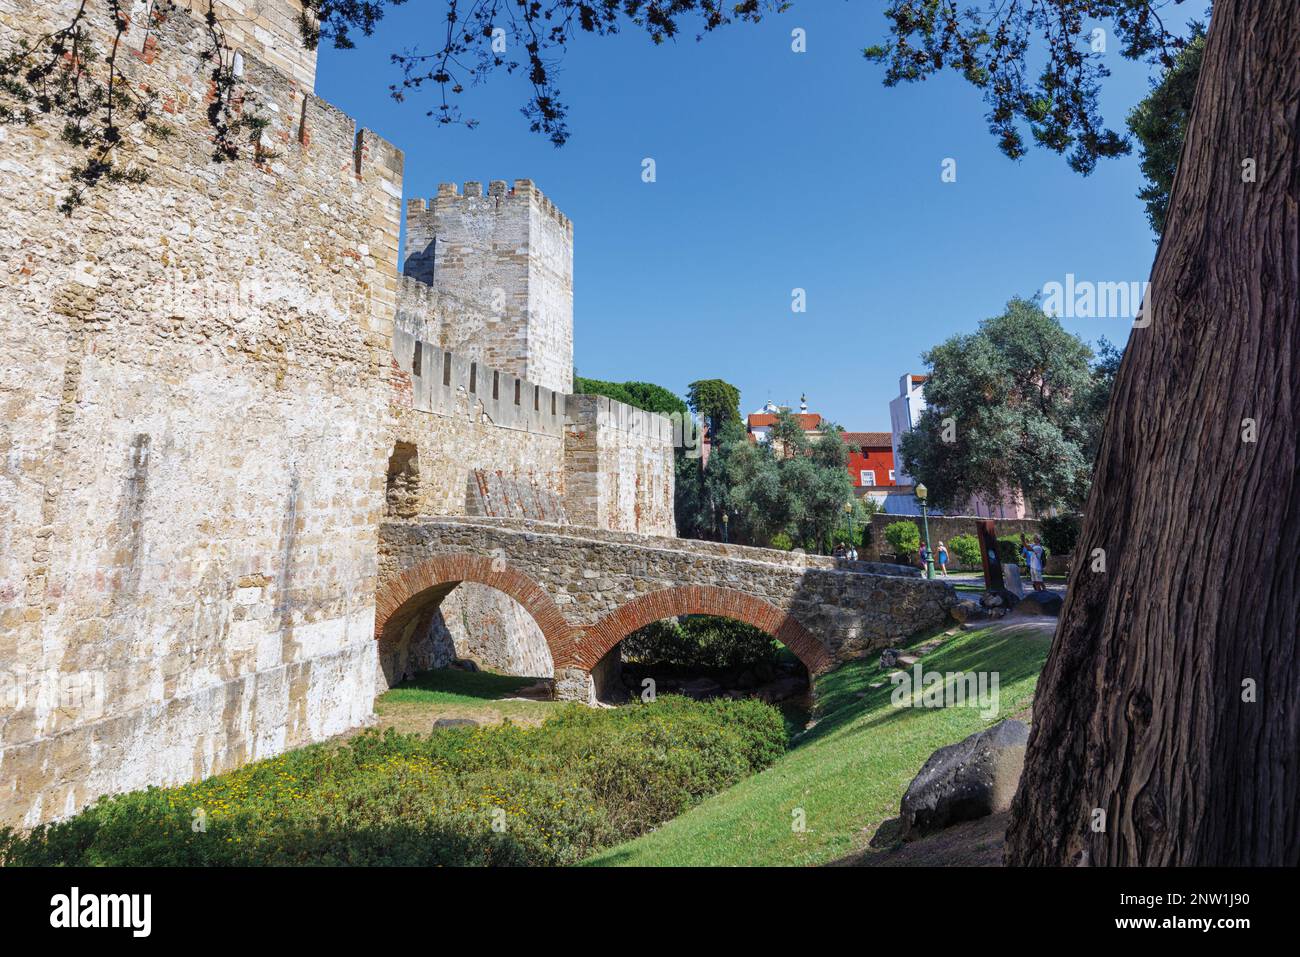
(775, 170)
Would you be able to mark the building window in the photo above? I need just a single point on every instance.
(867, 477)
(891, 475)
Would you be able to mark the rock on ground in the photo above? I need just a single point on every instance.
(967, 780)
(1039, 603)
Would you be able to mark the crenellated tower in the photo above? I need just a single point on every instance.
(501, 267)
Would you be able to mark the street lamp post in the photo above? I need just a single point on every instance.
(848, 510)
(725, 522)
(921, 493)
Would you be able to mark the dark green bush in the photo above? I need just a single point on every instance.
(700, 641)
(583, 780)
(1061, 533)
(1009, 552)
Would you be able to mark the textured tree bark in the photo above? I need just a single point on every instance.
(1142, 712)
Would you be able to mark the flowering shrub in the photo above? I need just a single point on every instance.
(505, 795)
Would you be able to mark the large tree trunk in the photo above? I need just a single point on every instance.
(1143, 711)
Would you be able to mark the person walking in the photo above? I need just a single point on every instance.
(943, 559)
(1041, 554)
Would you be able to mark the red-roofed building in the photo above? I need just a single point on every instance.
(871, 455)
(871, 460)
(759, 424)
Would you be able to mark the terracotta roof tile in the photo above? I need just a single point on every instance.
(870, 440)
(809, 420)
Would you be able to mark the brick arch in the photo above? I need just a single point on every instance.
(423, 586)
(703, 600)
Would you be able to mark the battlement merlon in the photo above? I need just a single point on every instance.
(523, 190)
(270, 30)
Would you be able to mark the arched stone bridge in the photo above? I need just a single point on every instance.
(588, 589)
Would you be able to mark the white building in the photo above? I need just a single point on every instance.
(904, 413)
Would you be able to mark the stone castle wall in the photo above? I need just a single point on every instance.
(207, 412)
(193, 428)
(620, 466)
(461, 420)
(266, 29)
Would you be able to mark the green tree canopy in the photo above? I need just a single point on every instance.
(790, 485)
(642, 395)
(716, 402)
(1017, 405)
(1160, 123)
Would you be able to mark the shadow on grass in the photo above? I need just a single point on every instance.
(845, 695)
(467, 684)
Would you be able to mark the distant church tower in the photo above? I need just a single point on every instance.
(501, 265)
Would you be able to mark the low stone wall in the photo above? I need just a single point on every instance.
(942, 529)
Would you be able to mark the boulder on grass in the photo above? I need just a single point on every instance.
(456, 723)
(999, 598)
(966, 610)
(966, 780)
(1038, 603)
(889, 657)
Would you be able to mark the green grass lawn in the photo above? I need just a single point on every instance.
(847, 774)
(414, 705)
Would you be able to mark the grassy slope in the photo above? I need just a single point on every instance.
(848, 773)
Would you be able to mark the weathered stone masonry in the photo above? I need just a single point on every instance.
(465, 427)
(194, 424)
(499, 270)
